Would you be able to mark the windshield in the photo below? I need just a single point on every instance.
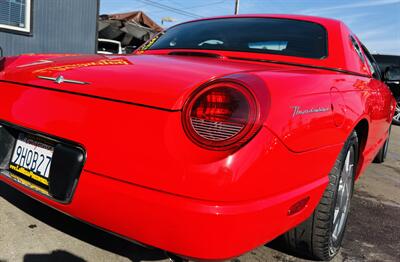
(260, 35)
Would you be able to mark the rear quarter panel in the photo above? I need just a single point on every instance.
(339, 98)
(346, 99)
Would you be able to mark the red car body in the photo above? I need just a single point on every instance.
(143, 177)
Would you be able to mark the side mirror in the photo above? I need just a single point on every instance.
(392, 75)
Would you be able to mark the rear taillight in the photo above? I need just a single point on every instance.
(221, 116)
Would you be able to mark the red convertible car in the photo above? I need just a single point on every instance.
(215, 137)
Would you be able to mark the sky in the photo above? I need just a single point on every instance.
(375, 22)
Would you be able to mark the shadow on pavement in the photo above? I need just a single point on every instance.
(283, 251)
(58, 255)
(77, 229)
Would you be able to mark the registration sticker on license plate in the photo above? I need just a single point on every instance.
(31, 161)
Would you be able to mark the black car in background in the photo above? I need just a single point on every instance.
(385, 61)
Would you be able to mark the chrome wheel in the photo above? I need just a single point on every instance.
(343, 197)
(397, 112)
(321, 235)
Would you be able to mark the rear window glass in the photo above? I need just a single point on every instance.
(260, 35)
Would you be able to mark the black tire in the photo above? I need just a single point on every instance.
(396, 117)
(314, 238)
(381, 156)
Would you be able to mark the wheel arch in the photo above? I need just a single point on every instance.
(362, 130)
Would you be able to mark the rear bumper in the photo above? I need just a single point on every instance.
(245, 196)
(189, 227)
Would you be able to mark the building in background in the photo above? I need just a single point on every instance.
(48, 26)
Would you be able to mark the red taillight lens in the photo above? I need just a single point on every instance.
(221, 116)
(215, 105)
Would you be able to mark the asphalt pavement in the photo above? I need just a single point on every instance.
(33, 232)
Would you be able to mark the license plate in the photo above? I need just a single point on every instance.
(31, 160)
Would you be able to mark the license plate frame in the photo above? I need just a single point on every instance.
(30, 162)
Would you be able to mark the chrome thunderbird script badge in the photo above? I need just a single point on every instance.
(298, 111)
(60, 79)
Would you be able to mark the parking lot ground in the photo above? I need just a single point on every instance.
(33, 232)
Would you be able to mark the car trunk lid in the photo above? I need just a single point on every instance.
(160, 81)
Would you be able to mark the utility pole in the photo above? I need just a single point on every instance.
(237, 7)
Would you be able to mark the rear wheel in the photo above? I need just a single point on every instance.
(381, 156)
(396, 117)
(321, 235)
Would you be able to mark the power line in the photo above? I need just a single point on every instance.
(202, 5)
(196, 6)
(209, 4)
(172, 9)
(126, 10)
